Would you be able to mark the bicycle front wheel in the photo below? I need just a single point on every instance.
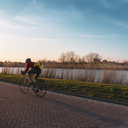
(42, 89)
(23, 85)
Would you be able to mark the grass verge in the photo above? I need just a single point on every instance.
(99, 90)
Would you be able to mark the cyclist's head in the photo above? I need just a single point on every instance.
(28, 60)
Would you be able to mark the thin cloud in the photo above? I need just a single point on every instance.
(96, 36)
(34, 6)
(106, 4)
(121, 24)
(26, 20)
(118, 23)
(7, 22)
(44, 40)
(17, 23)
(46, 14)
(4, 24)
(111, 5)
(90, 36)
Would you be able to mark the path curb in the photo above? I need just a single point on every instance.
(93, 98)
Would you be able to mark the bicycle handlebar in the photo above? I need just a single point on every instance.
(21, 71)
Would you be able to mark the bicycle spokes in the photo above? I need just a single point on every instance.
(23, 85)
(41, 88)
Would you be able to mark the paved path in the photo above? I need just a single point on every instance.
(18, 110)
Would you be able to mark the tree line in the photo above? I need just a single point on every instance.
(11, 64)
(65, 60)
(71, 57)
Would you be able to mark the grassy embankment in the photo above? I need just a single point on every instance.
(100, 90)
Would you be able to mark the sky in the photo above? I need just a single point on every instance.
(44, 29)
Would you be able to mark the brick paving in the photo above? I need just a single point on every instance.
(18, 110)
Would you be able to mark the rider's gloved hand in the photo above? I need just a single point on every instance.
(22, 72)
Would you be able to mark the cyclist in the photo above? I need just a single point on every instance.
(34, 70)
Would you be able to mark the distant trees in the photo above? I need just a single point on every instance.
(11, 64)
(1, 63)
(125, 62)
(91, 56)
(71, 57)
(62, 58)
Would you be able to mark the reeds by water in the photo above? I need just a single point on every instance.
(107, 76)
(10, 70)
(113, 77)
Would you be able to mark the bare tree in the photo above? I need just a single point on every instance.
(67, 57)
(83, 59)
(62, 58)
(91, 56)
(77, 58)
(72, 57)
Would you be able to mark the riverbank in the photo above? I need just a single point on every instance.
(99, 90)
(86, 75)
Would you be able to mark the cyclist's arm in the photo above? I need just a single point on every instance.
(27, 67)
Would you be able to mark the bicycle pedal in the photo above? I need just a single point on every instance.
(33, 88)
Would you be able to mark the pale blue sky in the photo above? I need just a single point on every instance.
(46, 28)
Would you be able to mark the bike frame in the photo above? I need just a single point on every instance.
(26, 79)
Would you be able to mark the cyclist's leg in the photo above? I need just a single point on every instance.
(29, 76)
(36, 76)
(30, 73)
(37, 73)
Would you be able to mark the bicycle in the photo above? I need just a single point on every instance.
(41, 86)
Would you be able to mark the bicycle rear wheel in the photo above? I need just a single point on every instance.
(42, 89)
(23, 85)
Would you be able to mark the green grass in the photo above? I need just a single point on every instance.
(107, 91)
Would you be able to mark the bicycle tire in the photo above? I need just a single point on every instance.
(23, 85)
(42, 88)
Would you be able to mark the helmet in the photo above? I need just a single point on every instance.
(28, 60)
